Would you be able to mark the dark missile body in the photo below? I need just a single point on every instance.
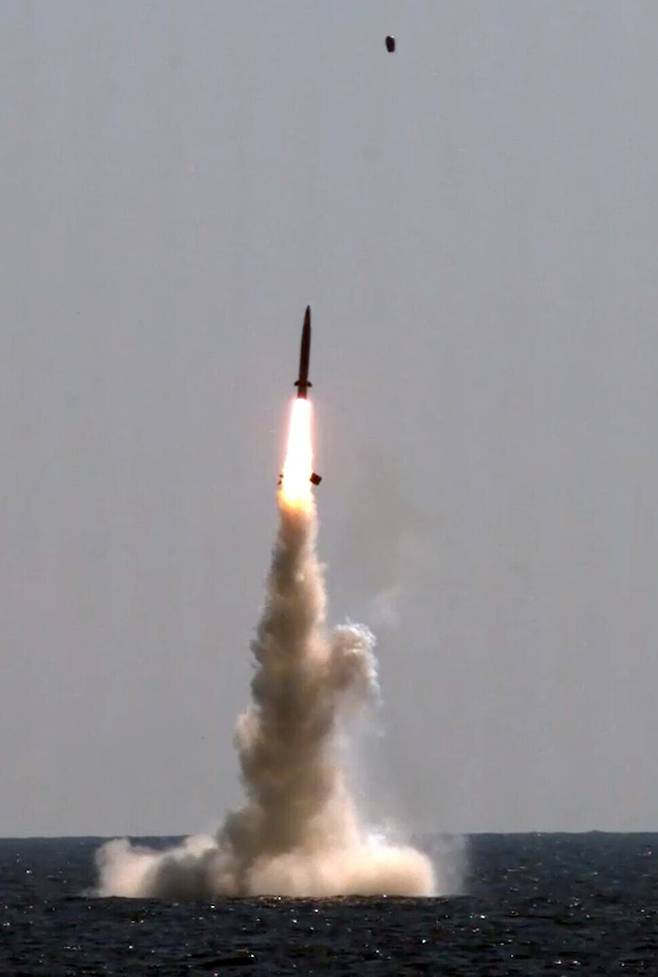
(302, 382)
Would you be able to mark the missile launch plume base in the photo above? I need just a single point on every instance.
(299, 831)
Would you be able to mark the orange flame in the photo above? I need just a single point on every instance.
(298, 465)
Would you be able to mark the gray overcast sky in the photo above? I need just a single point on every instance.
(475, 224)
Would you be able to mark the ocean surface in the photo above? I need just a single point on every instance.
(530, 904)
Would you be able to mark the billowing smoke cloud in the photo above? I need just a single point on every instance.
(299, 832)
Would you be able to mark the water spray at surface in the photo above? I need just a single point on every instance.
(298, 832)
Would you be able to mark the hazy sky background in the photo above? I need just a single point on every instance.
(474, 221)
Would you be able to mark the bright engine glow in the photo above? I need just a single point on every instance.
(298, 465)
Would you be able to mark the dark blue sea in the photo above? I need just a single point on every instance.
(531, 904)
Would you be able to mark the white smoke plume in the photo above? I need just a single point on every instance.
(299, 832)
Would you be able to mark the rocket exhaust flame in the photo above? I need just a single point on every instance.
(298, 832)
(295, 489)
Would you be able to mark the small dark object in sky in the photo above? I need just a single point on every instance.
(390, 44)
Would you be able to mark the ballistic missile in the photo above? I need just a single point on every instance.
(302, 382)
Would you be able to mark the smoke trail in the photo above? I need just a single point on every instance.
(298, 833)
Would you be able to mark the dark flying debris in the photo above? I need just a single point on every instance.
(390, 44)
